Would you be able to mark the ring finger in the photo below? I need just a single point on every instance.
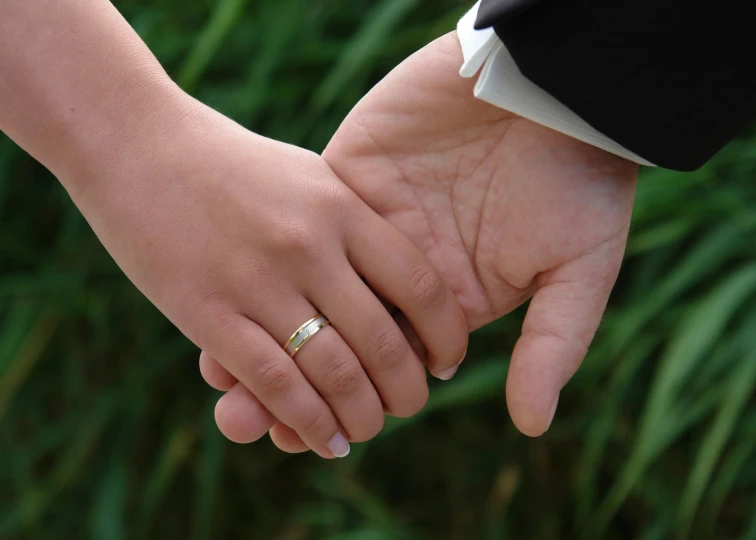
(330, 366)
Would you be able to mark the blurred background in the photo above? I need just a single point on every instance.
(106, 428)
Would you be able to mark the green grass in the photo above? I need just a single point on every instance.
(106, 428)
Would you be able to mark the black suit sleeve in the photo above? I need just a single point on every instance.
(671, 80)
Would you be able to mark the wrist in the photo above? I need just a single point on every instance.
(82, 83)
(119, 132)
(171, 145)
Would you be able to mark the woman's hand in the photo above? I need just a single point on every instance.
(239, 240)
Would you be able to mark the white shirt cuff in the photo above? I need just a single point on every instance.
(502, 84)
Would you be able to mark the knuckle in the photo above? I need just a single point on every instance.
(316, 423)
(294, 238)
(224, 322)
(343, 378)
(206, 298)
(276, 377)
(390, 350)
(426, 287)
(298, 237)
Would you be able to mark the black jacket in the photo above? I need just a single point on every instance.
(671, 80)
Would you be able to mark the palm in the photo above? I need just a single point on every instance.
(503, 207)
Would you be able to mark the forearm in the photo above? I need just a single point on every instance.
(77, 85)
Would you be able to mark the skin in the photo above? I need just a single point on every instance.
(237, 239)
(505, 209)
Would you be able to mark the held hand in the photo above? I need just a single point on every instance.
(504, 208)
(239, 240)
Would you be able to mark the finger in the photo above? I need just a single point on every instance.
(409, 333)
(412, 338)
(259, 363)
(394, 369)
(241, 417)
(562, 319)
(396, 270)
(215, 374)
(329, 364)
(287, 439)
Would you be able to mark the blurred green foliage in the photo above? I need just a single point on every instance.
(106, 429)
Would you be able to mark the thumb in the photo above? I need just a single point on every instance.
(561, 321)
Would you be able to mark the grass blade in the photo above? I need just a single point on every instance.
(703, 326)
(740, 389)
(225, 16)
(109, 511)
(209, 474)
(15, 370)
(369, 41)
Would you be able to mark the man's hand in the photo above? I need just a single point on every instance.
(504, 208)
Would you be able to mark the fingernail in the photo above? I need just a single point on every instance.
(447, 374)
(339, 446)
(553, 411)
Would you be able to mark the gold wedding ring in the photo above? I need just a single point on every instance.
(304, 333)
